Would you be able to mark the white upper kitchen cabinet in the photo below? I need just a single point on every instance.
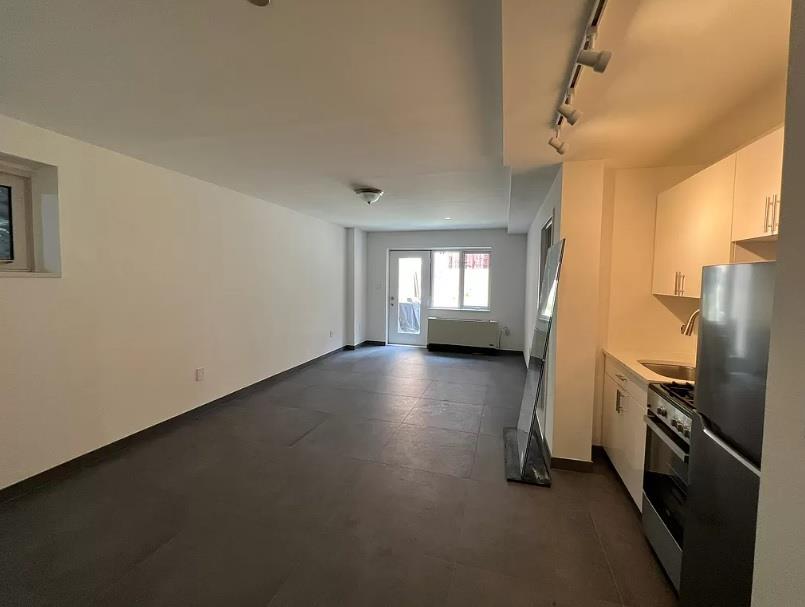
(758, 177)
(693, 229)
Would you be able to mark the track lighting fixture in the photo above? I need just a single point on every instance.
(556, 143)
(587, 56)
(568, 112)
(598, 60)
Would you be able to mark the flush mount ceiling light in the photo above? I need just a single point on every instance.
(598, 60)
(368, 194)
(570, 113)
(556, 143)
(261, 2)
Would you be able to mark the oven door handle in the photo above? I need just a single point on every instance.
(677, 450)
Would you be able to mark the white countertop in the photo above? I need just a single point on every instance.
(630, 361)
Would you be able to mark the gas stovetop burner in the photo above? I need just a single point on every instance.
(680, 391)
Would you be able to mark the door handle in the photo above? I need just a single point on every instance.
(741, 459)
(775, 215)
(660, 433)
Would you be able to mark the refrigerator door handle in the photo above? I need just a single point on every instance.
(741, 459)
(675, 449)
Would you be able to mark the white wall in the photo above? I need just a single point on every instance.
(360, 286)
(638, 322)
(356, 287)
(780, 548)
(507, 275)
(161, 274)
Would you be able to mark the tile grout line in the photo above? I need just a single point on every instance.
(307, 432)
(606, 558)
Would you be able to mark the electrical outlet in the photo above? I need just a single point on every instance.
(200, 374)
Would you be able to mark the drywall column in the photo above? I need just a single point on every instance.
(780, 549)
(578, 334)
(355, 330)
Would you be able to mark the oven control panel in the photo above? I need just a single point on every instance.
(668, 413)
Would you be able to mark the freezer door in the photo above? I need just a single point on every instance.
(719, 548)
(733, 355)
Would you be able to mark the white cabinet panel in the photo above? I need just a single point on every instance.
(623, 429)
(610, 416)
(633, 410)
(758, 177)
(693, 229)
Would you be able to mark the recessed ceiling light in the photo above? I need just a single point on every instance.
(448, 218)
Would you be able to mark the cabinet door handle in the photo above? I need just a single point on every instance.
(775, 215)
(620, 377)
(682, 284)
(618, 401)
(766, 216)
(676, 283)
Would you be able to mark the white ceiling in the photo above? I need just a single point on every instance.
(292, 103)
(686, 83)
(431, 100)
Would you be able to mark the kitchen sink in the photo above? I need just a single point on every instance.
(678, 371)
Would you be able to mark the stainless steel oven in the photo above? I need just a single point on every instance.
(665, 480)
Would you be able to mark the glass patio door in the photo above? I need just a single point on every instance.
(409, 297)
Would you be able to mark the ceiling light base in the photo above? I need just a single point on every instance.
(368, 194)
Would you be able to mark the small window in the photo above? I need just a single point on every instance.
(461, 279)
(15, 222)
(446, 279)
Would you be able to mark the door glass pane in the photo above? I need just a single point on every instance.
(446, 278)
(409, 290)
(6, 245)
(476, 280)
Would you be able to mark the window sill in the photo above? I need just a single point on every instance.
(21, 274)
(462, 309)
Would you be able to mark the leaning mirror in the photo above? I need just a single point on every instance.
(526, 449)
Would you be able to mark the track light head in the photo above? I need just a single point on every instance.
(598, 60)
(560, 146)
(571, 114)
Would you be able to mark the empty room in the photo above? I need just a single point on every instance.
(373, 303)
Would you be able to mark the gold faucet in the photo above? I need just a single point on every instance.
(687, 328)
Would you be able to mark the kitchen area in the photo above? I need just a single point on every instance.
(685, 354)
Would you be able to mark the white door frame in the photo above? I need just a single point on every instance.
(393, 335)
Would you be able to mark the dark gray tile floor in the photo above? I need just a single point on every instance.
(373, 477)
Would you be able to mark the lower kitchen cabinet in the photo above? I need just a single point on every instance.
(624, 431)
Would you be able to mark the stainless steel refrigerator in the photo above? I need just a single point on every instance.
(727, 436)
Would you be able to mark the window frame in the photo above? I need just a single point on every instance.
(21, 220)
(462, 252)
